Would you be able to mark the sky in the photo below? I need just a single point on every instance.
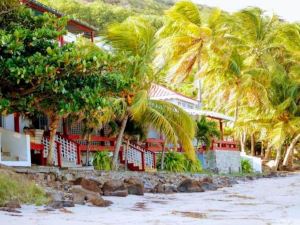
(285, 9)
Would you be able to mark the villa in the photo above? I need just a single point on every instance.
(21, 146)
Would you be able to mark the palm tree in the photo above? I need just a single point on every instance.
(134, 40)
(206, 131)
(182, 40)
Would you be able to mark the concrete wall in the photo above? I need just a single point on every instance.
(223, 161)
(255, 162)
(15, 148)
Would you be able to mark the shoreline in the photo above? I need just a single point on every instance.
(84, 186)
(240, 204)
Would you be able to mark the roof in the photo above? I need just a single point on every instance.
(74, 25)
(159, 92)
(210, 114)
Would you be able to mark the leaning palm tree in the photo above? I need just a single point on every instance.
(182, 40)
(134, 40)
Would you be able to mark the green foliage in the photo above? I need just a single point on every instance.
(178, 162)
(17, 188)
(246, 166)
(102, 160)
(103, 13)
(193, 166)
(206, 131)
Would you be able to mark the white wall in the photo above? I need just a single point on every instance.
(18, 145)
(9, 122)
(255, 162)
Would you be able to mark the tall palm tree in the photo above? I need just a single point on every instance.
(182, 40)
(134, 39)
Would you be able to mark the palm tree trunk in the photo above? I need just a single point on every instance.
(262, 150)
(162, 158)
(277, 159)
(126, 152)
(119, 143)
(243, 141)
(267, 152)
(54, 120)
(252, 144)
(290, 150)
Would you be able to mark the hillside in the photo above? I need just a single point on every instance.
(100, 13)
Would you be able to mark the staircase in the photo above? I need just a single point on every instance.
(66, 152)
(138, 158)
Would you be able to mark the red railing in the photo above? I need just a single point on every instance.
(221, 145)
(97, 143)
(154, 144)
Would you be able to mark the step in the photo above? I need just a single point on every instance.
(68, 164)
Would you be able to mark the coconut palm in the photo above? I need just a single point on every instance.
(206, 131)
(183, 38)
(134, 40)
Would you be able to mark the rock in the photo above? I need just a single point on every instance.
(80, 195)
(100, 202)
(61, 204)
(134, 186)
(208, 186)
(88, 184)
(7, 209)
(165, 188)
(114, 188)
(55, 195)
(120, 193)
(51, 177)
(189, 185)
(12, 205)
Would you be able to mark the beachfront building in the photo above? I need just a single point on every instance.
(223, 155)
(17, 149)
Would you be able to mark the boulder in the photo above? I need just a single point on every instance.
(120, 193)
(88, 184)
(61, 204)
(55, 195)
(114, 188)
(189, 185)
(165, 188)
(80, 195)
(12, 204)
(207, 184)
(134, 186)
(100, 202)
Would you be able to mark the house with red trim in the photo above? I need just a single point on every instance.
(32, 147)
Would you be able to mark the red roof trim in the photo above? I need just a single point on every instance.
(40, 8)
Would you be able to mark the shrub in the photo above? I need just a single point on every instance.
(178, 162)
(193, 166)
(14, 187)
(173, 162)
(102, 160)
(246, 166)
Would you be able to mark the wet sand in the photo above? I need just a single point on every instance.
(264, 201)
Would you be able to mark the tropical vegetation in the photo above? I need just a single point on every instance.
(178, 162)
(247, 63)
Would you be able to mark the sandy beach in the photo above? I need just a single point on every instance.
(263, 201)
